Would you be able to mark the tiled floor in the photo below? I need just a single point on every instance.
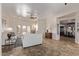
(64, 47)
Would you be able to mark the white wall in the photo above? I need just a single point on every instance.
(0, 29)
(77, 28)
(51, 25)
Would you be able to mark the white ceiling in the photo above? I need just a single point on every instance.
(43, 9)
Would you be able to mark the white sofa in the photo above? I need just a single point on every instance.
(31, 40)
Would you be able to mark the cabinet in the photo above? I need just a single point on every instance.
(48, 35)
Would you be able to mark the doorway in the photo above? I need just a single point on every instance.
(67, 30)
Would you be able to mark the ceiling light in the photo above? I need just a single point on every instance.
(9, 29)
(24, 27)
